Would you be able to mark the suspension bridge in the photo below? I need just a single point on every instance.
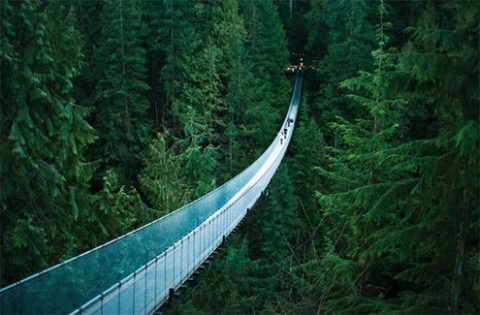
(140, 271)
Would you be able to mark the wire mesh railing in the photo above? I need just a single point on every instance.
(137, 272)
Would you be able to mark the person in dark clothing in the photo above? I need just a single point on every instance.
(285, 131)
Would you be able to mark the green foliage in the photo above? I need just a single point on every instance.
(393, 226)
(88, 24)
(44, 192)
(348, 37)
(376, 209)
(236, 70)
(174, 41)
(120, 103)
(201, 91)
(178, 170)
(397, 208)
(268, 56)
(161, 180)
(239, 285)
(317, 39)
(268, 53)
(211, 75)
(198, 156)
(119, 210)
(251, 276)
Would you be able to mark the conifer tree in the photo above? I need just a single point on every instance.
(89, 26)
(174, 39)
(268, 48)
(317, 38)
(162, 179)
(240, 285)
(235, 70)
(350, 40)
(446, 37)
(119, 210)
(198, 157)
(267, 52)
(393, 226)
(365, 193)
(44, 192)
(121, 108)
(201, 91)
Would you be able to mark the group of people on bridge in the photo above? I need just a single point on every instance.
(283, 134)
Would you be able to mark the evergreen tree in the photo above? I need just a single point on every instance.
(239, 285)
(89, 26)
(350, 40)
(119, 210)
(179, 170)
(162, 179)
(267, 52)
(317, 38)
(393, 226)
(44, 192)
(201, 91)
(268, 49)
(366, 185)
(175, 40)
(446, 37)
(235, 70)
(121, 108)
(292, 14)
(198, 157)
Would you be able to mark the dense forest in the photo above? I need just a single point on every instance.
(115, 113)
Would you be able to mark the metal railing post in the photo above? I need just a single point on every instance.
(165, 274)
(181, 259)
(155, 290)
(145, 300)
(194, 251)
(224, 220)
(134, 283)
(173, 272)
(119, 296)
(200, 234)
(188, 253)
(212, 226)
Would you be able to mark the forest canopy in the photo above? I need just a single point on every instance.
(115, 113)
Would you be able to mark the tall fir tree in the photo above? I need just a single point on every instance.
(162, 180)
(89, 26)
(45, 191)
(121, 108)
(393, 226)
(364, 196)
(174, 40)
(236, 72)
(267, 52)
(446, 37)
(350, 37)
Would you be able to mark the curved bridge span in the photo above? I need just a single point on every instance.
(137, 272)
